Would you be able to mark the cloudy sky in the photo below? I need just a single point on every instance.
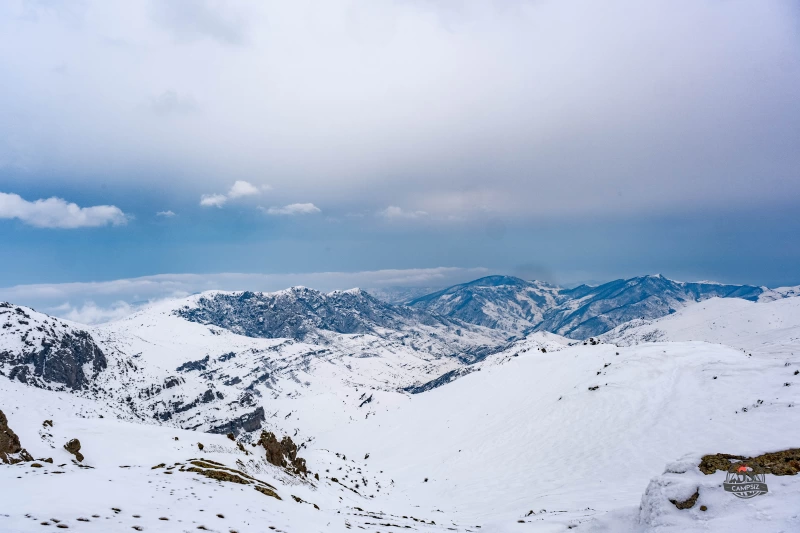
(330, 142)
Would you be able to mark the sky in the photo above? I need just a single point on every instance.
(250, 144)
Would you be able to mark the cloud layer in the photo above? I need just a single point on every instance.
(58, 213)
(457, 109)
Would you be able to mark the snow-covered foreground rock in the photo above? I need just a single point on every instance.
(539, 434)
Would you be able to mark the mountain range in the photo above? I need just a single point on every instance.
(519, 306)
(429, 415)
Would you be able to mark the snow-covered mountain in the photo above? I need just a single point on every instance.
(500, 302)
(228, 362)
(520, 306)
(45, 351)
(405, 418)
(304, 314)
(590, 311)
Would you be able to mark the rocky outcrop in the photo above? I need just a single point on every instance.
(783, 463)
(244, 424)
(282, 454)
(46, 352)
(11, 451)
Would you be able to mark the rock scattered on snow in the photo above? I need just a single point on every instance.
(73, 446)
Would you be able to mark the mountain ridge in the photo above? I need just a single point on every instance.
(520, 306)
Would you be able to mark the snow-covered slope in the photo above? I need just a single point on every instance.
(576, 434)
(202, 376)
(528, 439)
(772, 326)
(138, 477)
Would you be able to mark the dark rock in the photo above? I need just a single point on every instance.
(282, 454)
(172, 381)
(208, 396)
(11, 451)
(226, 357)
(245, 423)
(73, 446)
(194, 365)
(687, 504)
(57, 360)
(783, 463)
(444, 379)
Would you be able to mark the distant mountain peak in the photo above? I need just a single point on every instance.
(519, 306)
(496, 281)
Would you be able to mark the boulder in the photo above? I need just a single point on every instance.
(73, 446)
(11, 451)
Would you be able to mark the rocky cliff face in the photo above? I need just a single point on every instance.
(46, 352)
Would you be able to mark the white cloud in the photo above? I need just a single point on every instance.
(166, 214)
(294, 209)
(394, 213)
(239, 189)
(242, 188)
(91, 313)
(213, 200)
(57, 213)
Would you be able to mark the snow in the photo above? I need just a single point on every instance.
(598, 437)
(530, 435)
(771, 326)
